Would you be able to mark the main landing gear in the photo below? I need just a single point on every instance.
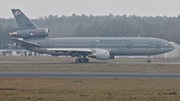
(148, 61)
(81, 59)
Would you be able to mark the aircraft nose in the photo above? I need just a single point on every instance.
(171, 47)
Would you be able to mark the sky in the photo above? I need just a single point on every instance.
(40, 8)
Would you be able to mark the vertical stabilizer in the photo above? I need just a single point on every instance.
(22, 20)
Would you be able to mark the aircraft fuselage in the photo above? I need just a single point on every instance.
(115, 45)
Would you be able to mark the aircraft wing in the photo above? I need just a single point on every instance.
(70, 50)
(24, 43)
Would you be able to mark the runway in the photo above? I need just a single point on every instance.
(104, 62)
(90, 75)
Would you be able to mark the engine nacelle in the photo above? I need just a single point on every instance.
(31, 33)
(101, 55)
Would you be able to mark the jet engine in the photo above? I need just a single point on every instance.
(101, 55)
(31, 33)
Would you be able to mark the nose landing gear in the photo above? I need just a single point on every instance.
(148, 61)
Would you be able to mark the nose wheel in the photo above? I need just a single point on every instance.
(148, 61)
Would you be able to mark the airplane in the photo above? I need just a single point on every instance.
(30, 37)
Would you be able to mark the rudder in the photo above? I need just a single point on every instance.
(22, 20)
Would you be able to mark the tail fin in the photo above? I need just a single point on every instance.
(22, 20)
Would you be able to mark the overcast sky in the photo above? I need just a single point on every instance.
(40, 8)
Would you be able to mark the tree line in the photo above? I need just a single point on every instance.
(101, 26)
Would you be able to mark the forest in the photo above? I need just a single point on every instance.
(101, 26)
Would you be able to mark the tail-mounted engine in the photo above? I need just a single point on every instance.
(31, 33)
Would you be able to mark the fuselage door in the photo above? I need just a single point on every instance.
(93, 45)
(129, 45)
(128, 49)
(158, 45)
(48, 45)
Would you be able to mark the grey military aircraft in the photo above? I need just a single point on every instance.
(32, 38)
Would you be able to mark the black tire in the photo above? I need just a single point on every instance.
(87, 60)
(149, 61)
(82, 60)
(77, 61)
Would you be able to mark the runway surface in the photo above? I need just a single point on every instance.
(89, 75)
(104, 62)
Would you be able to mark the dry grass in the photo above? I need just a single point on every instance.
(84, 89)
(59, 89)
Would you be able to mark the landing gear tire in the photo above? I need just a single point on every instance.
(148, 61)
(77, 60)
(86, 60)
(82, 60)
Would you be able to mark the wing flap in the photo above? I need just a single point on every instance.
(71, 49)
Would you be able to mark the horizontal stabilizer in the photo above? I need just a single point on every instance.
(25, 43)
(16, 29)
